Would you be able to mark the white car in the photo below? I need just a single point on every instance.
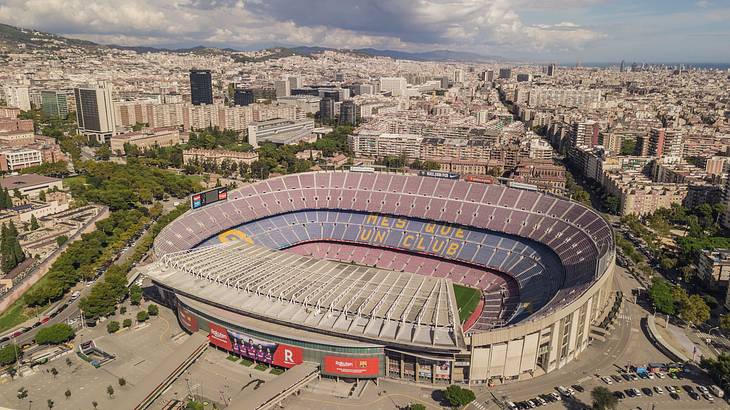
(637, 392)
(651, 376)
(607, 380)
(703, 389)
(542, 401)
(708, 396)
(556, 396)
(658, 390)
(671, 389)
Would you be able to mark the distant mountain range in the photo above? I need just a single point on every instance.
(13, 37)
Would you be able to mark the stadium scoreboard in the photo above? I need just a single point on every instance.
(204, 198)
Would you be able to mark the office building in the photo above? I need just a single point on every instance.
(349, 113)
(15, 159)
(282, 88)
(95, 112)
(243, 97)
(505, 73)
(54, 104)
(201, 87)
(326, 109)
(551, 70)
(458, 75)
(295, 81)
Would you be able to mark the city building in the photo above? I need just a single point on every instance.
(30, 184)
(282, 88)
(146, 138)
(396, 86)
(326, 109)
(17, 96)
(201, 87)
(280, 131)
(665, 142)
(505, 73)
(713, 268)
(219, 156)
(349, 113)
(15, 159)
(295, 81)
(95, 112)
(243, 97)
(54, 104)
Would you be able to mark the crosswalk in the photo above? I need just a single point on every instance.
(624, 316)
(478, 405)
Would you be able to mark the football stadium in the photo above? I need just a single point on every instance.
(375, 274)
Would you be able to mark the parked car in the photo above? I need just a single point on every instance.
(647, 391)
(578, 387)
(630, 393)
(658, 390)
(607, 380)
(674, 395)
(555, 396)
(708, 396)
(693, 394)
(619, 394)
(616, 378)
(540, 401)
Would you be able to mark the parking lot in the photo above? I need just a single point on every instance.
(685, 390)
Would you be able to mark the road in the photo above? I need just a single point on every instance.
(72, 311)
(626, 345)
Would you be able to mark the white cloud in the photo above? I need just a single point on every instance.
(478, 25)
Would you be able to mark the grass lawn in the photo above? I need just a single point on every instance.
(12, 317)
(232, 358)
(276, 371)
(261, 367)
(69, 180)
(467, 300)
(246, 362)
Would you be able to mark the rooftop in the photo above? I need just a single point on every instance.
(22, 181)
(333, 297)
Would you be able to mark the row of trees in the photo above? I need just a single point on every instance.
(83, 257)
(11, 254)
(107, 293)
(674, 300)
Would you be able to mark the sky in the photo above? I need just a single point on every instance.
(566, 31)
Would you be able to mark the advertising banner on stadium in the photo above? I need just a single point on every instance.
(187, 319)
(351, 366)
(255, 349)
(443, 370)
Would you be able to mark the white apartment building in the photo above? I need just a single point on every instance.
(17, 96)
(15, 159)
(395, 85)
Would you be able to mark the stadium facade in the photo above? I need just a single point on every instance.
(355, 271)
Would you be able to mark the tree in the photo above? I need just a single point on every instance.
(54, 372)
(127, 323)
(61, 239)
(142, 316)
(22, 393)
(695, 310)
(55, 334)
(94, 404)
(135, 294)
(458, 396)
(603, 399)
(42, 196)
(68, 362)
(725, 322)
(416, 406)
(50, 403)
(122, 382)
(34, 223)
(10, 354)
(110, 390)
(103, 152)
(112, 326)
(661, 296)
(153, 310)
(67, 393)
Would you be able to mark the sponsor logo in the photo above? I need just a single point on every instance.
(352, 366)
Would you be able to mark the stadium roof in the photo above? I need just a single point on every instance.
(333, 297)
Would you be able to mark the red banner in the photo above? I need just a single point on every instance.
(287, 356)
(351, 366)
(219, 336)
(187, 319)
